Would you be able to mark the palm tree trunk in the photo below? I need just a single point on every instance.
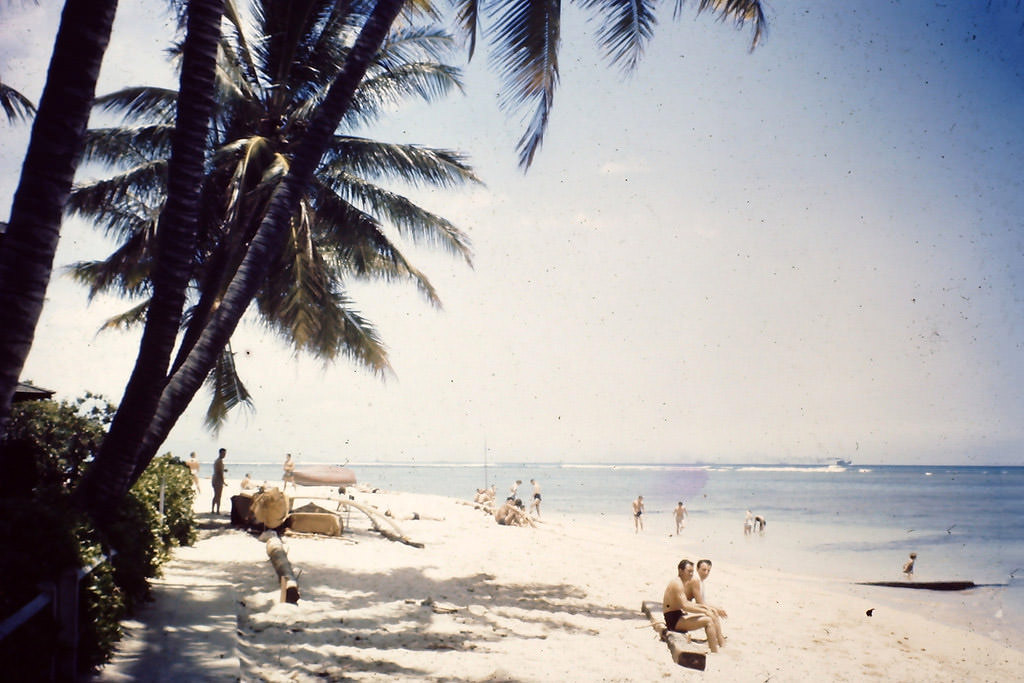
(54, 150)
(269, 239)
(110, 476)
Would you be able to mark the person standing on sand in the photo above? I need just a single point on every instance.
(535, 505)
(193, 467)
(908, 567)
(512, 490)
(748, 523)
(680, 513)
(682, 614)
(289, 473)
(638, 514)
(218, 480)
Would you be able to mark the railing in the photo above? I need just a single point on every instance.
(62, 595)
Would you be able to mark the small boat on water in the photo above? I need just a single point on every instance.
(844, 463)
(923, 585)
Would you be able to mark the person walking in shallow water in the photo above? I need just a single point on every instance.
(908, 567)
(680, 514)
(638, 514)
(218, 480)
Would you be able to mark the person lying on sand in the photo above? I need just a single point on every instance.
(681, 613)
(695, 591)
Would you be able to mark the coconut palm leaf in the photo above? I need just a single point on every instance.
(145, 104)
(412, 221)
(525, 51)
(420, 166)
(741, 12)
(226, 391)
(124, 146)
(626, 28)
(134, 316)
(15, 105)
(354, 245)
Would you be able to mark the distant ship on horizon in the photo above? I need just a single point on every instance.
(844, 463)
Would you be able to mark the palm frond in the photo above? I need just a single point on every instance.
(143, 183)
(133, 317)
(354, 244)
(125, 271)
(412, 221)
(526, 40)
(144, 103)
(226, 391)
(15, 105)
(625, 29)
(120, 221)
(741, 12)
(124, 146)
(467, 21)
(413, 164)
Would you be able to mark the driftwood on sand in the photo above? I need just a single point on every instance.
(375, 516)
(683, 652)
(279, 559)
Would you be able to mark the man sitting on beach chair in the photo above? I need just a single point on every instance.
(681, 613)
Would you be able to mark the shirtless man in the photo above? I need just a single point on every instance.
(535, 505)
(680, 513)
(683, 614)
(638, 514)
(695, 591)
(506, 514)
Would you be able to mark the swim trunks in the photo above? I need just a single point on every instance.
(672, 618)
(536, 496)
(638, 513)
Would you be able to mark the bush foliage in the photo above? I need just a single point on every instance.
(48, 445)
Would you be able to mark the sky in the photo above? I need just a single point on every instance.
(806, 252)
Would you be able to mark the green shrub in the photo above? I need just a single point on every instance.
(47, 447)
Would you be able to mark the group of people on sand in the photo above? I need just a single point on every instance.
(685, 606)
(512, 512)
(220, 470)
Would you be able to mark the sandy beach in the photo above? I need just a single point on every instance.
(483, 602)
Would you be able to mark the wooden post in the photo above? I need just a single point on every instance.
(279, 558)
(66, 612)
(683, 652)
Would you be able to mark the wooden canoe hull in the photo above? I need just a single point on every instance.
(924, 585)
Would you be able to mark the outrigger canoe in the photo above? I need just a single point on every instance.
(324, 475)
(924, 585)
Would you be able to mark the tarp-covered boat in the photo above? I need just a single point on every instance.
(324, 475)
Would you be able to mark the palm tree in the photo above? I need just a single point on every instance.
(175, 241)
(526, 47)
(269, 85)
(30, 241)
(521, 62)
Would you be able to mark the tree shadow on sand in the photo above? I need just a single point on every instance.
(350, 622)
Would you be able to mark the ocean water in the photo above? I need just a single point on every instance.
(831, 523)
